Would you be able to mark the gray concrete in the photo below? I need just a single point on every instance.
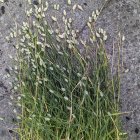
(8, 11)
(131, 80)
(117, 16)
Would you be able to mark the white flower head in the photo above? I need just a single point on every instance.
(64, 12)
(69, 2)
(66, 98)
(47, 119)
(57, 7)
(51, 91)
(74, 7)
(85, 92)
(63, 89)
(80, 7)
(51, 68)
(123, 38)
(54, 18)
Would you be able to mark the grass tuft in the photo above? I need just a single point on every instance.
(65, 95)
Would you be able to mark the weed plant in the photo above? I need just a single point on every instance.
(65, 94)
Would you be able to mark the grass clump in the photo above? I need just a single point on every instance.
(65, 94)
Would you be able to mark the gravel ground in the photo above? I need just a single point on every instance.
(118, 15)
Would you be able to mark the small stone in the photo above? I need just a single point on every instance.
(35, 2)
(3, 9)
(136, 130)
(7, 70)
(20, 5)
(14, 120)
(127, 118)
(10, 131)
(85, 3)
